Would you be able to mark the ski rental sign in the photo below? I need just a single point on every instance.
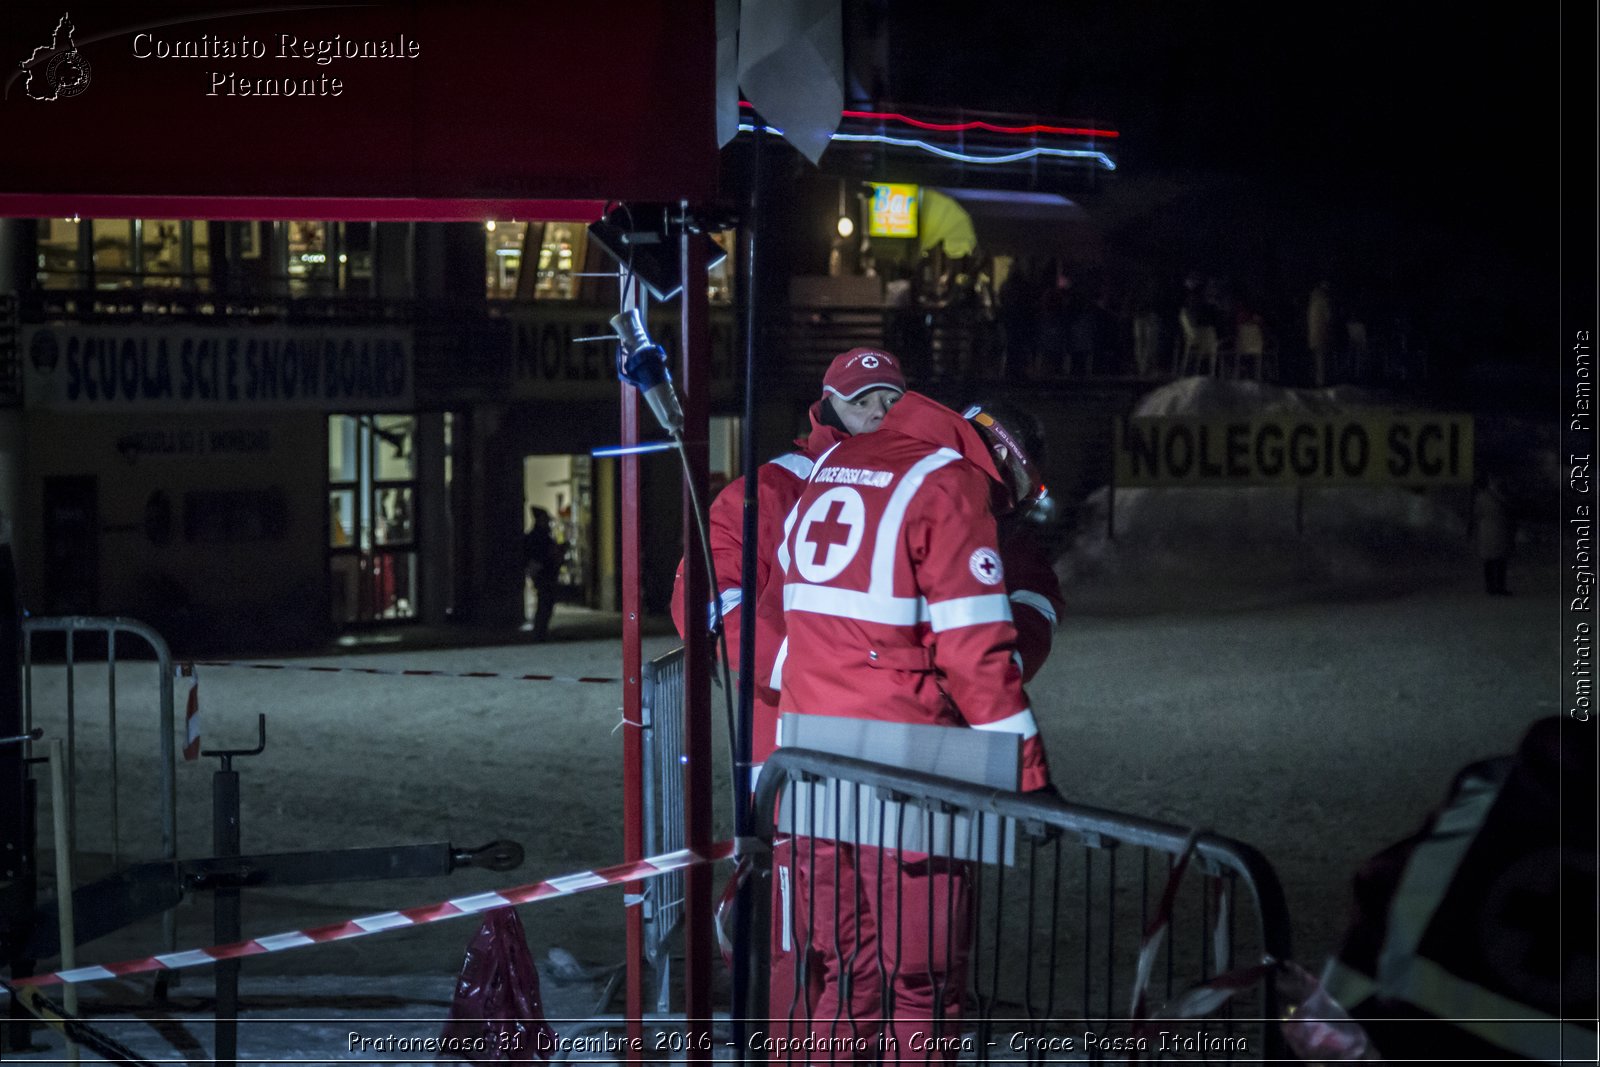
(1402, 449)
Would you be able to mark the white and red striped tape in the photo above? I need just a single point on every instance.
(565, 885)
(191, 711)
(403, 672)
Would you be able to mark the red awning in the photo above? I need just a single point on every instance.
(400, 110)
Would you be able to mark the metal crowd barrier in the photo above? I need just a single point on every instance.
(662, 730)
(71, 627)
(1012, 927)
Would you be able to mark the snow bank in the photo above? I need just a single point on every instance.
(1226, 546)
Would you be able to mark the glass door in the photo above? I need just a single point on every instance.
(372, 507)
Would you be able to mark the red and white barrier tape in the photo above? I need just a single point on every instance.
(565, 885)
(403, 672)
(191, 711)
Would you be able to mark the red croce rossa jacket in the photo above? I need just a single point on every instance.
(894, 594)
(778, 485)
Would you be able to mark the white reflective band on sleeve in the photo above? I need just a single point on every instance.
(885, 548)
(1020, 723)
(795, 464)
(731, 598)
(777, 664)
(389, 920)
(1037, 602)
(788, 528)
(969, 611)
(755, 775)
(852, 604)
(1016, 657)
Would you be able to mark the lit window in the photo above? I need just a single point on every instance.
(58, 253)
(503, 242)
(561, 253)
(113, 253)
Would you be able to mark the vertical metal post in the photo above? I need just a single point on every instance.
(632, 697)
(699, 933)
(226, 908)
(18, 884)
(66, 911)
(742, 741)
(111, 742)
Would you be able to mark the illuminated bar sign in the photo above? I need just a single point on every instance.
(1366, 449)
(894, 210)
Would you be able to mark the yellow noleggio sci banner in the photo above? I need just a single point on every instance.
(1367, 449)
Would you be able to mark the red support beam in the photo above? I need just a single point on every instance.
(260, 208)
(632, 704)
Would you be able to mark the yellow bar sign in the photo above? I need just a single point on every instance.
(894, 210)
(1410, 449)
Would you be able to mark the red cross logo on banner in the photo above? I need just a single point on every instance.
(829, 534)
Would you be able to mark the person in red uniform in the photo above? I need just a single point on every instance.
(858, 388)
(895, 609)
(1017, 444)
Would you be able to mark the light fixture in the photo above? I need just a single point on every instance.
(489, 225)
(847, 226)
(643, 240)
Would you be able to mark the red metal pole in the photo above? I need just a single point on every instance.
(632, 704)
(696, 386)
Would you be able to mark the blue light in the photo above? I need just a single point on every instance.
(1014, 157)
(630, 450)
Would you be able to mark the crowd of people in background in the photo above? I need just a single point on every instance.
(1043, 318)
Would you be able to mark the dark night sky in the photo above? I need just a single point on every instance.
(1361, 86)
(1422, 136)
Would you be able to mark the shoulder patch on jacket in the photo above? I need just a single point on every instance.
(985, 566)
(794, 463)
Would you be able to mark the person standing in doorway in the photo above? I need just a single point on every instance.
(542, 556)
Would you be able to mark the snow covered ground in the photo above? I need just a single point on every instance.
(1311, 694)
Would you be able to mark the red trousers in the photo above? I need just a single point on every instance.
(869, 954)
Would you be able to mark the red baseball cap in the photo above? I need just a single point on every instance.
(861, 370)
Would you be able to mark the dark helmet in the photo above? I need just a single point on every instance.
(1016, 442)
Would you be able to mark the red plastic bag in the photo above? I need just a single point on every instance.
(497, 1015)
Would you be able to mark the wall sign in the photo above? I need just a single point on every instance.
(894, 210)
(82, 368)
(1410, 449)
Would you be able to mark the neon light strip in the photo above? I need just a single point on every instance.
(955, 127)
(631, 450)
(1069, 153)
